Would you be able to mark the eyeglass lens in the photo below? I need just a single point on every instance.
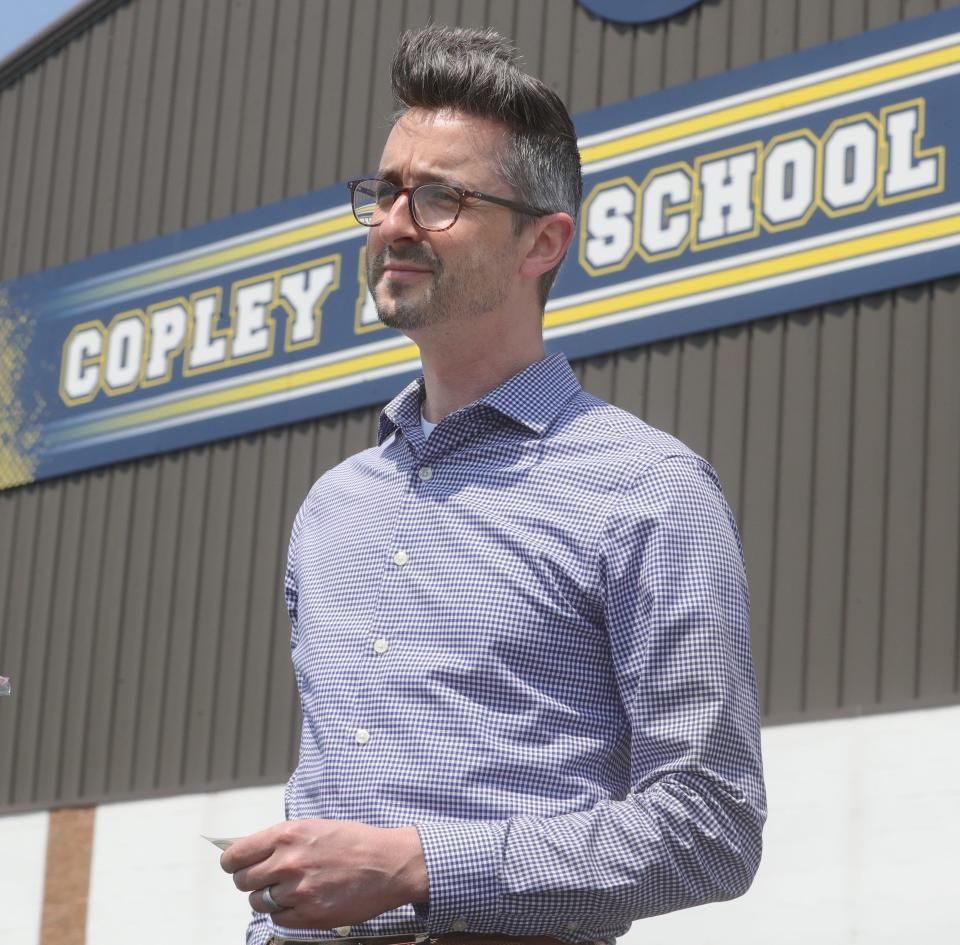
(434, 206)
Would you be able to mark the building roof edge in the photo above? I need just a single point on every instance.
(33, 52)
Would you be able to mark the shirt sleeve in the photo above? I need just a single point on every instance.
(676, 609)
(258, 930)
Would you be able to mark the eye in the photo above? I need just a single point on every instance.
(440, 195)
(383, 191)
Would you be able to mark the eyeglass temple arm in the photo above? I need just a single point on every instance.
(504, 202)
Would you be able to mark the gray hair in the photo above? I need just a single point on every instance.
(475, 71)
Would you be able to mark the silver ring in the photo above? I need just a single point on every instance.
(268, 900)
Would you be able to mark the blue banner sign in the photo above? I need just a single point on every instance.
(820, 176)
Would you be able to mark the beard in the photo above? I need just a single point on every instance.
(468, 289)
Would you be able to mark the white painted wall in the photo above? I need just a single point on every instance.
(23, 855)
(861, 846)
(155, 880)
(862, 843)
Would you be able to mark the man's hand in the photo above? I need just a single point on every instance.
(328, 873)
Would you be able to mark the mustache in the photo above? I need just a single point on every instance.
(417, 255)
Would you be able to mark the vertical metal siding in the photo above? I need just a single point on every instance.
(141, 605)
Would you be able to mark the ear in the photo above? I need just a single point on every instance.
(551, 235)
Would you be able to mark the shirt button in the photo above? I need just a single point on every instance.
(401, 558)
(573, 925)
(343, 930)
(459, 925)
(380, 646)
(425, 473)
(361, 736)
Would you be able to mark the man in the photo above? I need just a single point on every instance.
(519, 623)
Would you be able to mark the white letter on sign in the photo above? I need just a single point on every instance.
(727, 202)
(850, 165)
(609, 227)
(252, 335)
(789, 181)
(905, 173)
(81, 364)
(126, 337)
(168, 331)
(660, 230)
(305, 292)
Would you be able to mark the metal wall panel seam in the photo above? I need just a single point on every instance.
(158, 625)
(238, 76)
(867, 507)
(23, 588)
(259, 76)
(21, 173)
(939, 640)
(180, 136)
(120, 713)
(113, 130)
(45, 148)
(83, 628)
(108, 638)
(922, 552)
(808, 559)
(796, 439)
(158, 132)
(84, 192)
(198, 193)
(36, 666)
(129, 182)
(906, 462)
(143, 627)
(64, 171)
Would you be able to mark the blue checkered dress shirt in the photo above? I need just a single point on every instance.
(528, 636)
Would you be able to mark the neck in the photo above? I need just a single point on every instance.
(461, 363)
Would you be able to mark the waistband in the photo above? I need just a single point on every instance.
(424, 938)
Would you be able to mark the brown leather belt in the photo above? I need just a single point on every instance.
(423, 938)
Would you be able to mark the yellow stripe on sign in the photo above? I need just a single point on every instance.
(255, 389)
(820, 91)
(288, 239)
(752, 272)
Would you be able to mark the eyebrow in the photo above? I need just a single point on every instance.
(432, 179)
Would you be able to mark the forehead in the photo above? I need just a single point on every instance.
(426, 144)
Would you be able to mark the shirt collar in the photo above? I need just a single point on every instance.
(533, 397)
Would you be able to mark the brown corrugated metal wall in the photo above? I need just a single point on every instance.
(140, 606)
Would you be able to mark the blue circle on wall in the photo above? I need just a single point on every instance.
(637, 11)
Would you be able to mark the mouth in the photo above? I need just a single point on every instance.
(392, 269)
(399, 273)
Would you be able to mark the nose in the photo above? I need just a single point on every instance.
(398, 223)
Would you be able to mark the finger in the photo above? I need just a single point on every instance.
(241, 879)
(259, 904)
(249, 850)
(251, 878)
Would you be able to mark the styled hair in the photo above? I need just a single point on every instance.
(476, 72)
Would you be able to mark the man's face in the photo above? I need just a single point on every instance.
(418, 277)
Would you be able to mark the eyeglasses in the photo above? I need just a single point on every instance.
(433, 206)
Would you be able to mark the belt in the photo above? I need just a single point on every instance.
(424, 938)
